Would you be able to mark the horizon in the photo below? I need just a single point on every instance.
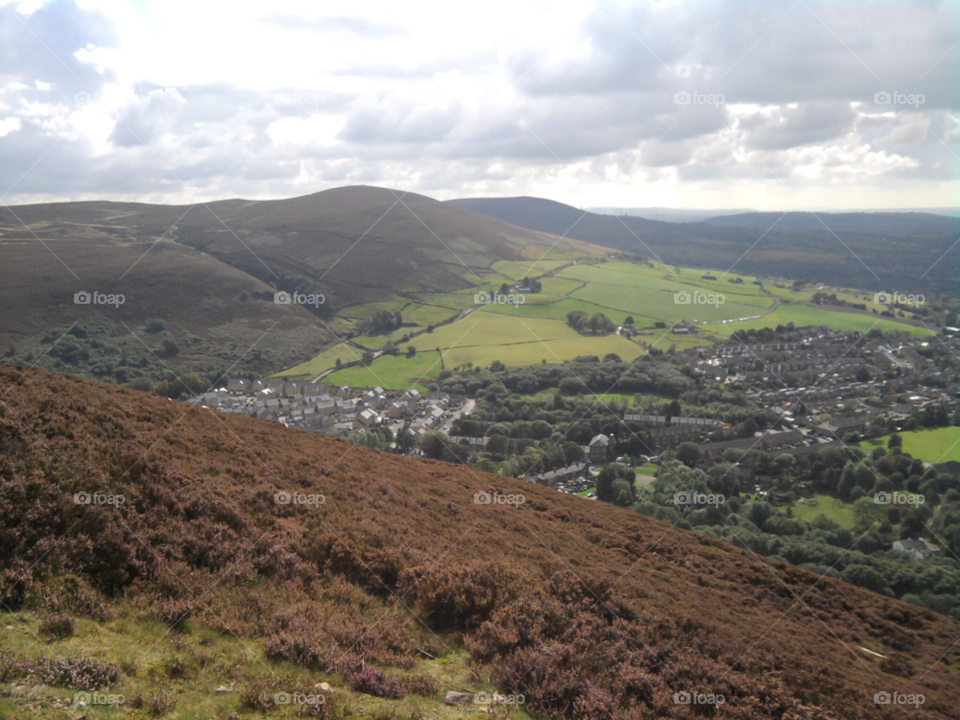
(599, 210)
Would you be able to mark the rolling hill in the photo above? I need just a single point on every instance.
(388, 578)
(198, 281)
(910, 252)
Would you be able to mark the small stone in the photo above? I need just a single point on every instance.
(457, 698)
(222, 689)
(325, 687)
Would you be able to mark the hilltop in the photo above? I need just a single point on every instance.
(198, 281)
(397, 580)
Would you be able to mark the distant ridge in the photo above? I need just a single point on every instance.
(868, 250)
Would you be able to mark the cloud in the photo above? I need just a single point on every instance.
(363, 27)
(575, 103)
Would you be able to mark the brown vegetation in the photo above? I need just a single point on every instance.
(586, 609)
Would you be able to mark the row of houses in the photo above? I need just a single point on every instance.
(317, 407)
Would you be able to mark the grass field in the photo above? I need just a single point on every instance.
(651, 293)
(517, 270)
(324, 361)
(935, 445)
(802, 315)
(536, 331)
(390, 371)
(840, 512)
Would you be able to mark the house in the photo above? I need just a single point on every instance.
(399, 410)
(601, 449)
(344, 392)
(918, 549)
(842, 426)
(238, 385)
(367, 418)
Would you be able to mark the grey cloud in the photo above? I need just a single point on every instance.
(41, 46)
(142, 122)
(810, 122)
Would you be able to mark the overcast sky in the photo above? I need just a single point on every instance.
(173, 101)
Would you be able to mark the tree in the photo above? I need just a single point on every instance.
(411, 351)
(688, 453)
(894, 441)
(865, 577)
(628, 320)
(432, 445)
(405, 440)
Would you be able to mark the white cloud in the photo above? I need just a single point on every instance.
(297, 96)
(9, 125)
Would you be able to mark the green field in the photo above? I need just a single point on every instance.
(536, 331)
(802, 315)
(936, 445)
(324, 361)
(390, 371)
(836, 510)
(651, 293)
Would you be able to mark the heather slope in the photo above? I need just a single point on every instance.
(586, 609)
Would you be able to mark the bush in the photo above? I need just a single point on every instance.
(57, 627)
(373, 681)
(78, 672)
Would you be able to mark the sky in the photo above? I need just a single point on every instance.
(723, 104)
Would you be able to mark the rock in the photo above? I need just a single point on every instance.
(457, 698)
(222, 689)
(325, 687)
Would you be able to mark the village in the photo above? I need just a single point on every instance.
(320, 408)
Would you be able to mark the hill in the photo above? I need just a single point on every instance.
(873, 251)
(198, 281)
(384, 577)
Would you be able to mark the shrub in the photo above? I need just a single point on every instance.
(79, 672)
(373, 681)
(57, 627)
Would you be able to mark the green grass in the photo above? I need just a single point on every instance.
(802, 315)
(649, 292)
(324, 361)
(145, 650)
(831, 508)
(934, 445)
(517, 270)
(391, 371)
